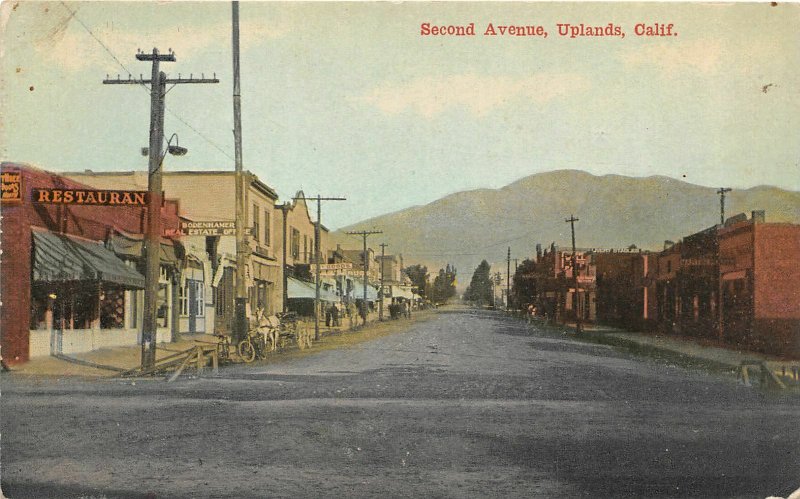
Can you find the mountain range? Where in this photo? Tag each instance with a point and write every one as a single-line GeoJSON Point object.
{"type": "Point", "coordinates": [613, 211]}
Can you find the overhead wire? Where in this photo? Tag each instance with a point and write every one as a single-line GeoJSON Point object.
{"type": "Point", "coordinates": [73, 14]}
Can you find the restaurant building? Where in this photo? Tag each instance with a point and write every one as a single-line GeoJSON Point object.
{"type": "Point", "coordinates": [72, 272]}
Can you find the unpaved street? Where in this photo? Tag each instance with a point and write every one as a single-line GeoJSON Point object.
{"type": "Point", "coordinates": [465, 404]}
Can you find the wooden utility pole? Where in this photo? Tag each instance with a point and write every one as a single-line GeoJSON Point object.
{"type": "Point", "coordinates": [720, 288]}
{"type": "Point", "coordinates": [721, 192]}
{"type": "Point", "coordinates": [364, 234]}
{"type": "Point", "coordinates": [317, 257]}
{"type": "Point", "coordinates": [383, 256]}
{"type": "Point", "coordinates": [578, 318]}
{"type": "Point", "coordinates": [240, 310]}
{"type": "Point", "coordinates": [508, 280]}
{"type": "Point", "coordinates": [285, 213]}
{"type": "Point", "coordinates": [158, 88]}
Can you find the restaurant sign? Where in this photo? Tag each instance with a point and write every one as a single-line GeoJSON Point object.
{"type": "Point", "coordinates": [90, 197]}
{"type": "Point", "coordinates": [12, 185]}
{"type": "Point", "coordinates": [204, 229]}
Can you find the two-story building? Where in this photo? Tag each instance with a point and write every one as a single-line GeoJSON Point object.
{"type": "Point", "coordinates": [298, 256]}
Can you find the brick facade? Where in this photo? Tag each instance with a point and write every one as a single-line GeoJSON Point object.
{"type": "Point", "coordinates": [90, 222]}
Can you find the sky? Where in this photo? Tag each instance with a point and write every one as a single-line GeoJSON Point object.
{"type": "Point", "coordinates": [349, 99]}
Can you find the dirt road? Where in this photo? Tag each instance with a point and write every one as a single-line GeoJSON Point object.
{"type": "Point", "coordinates": [466, 404]}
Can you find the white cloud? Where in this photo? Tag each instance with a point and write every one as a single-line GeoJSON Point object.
{"type": "Point", "coordinates": [480, 94]}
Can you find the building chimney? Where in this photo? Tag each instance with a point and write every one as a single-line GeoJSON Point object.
{"type": "Point", "coordinates": [758, 216]}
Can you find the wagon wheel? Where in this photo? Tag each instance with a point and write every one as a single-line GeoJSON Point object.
{"type": "Point", "coordinates": [246, 351]}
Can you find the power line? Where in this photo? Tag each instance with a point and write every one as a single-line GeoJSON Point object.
{"type": "Point", "coordinates": [73, 14]}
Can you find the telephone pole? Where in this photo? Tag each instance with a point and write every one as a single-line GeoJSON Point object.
{"type": "Point", "coordinates": [720, 288]}
{"type": "Point", "coordinates": [383, 255]}
{"type": "Point", "coordinates": [318, 257]}
{"type": "Point", "coordinates": [364, 234]}
{"type": "Point", "coordinates": [721, 192]}
{"type": "Point", "coordinates": [158, 88]}
{"type": "Point", "coordinates": [508, 279]}
{"type": "Point", "coordinates": [240, 309]}
{"type": "Point", "coordinates": [578, 329]}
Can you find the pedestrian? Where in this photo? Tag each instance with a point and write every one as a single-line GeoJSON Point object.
{"type": "Point", "coordinates": [351, 313]}
{"type": "Point", "coordinates": [531, 312]}
{"type": "Point", "coordinates": [335, 314]}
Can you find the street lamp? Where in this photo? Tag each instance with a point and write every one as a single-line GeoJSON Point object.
{"type": "Point", "coordinates": [174, 150]}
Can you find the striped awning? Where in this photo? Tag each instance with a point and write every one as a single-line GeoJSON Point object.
{"type": "Point", "coordinates": [62, 258]}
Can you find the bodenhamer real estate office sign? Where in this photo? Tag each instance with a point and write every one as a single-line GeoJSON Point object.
{"type": "Point", "coordinates": [204, 229]}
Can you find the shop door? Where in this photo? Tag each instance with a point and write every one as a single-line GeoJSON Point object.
{"type": "Point", "coordinates": [197, 323]}
{"type": "Point", "coordinates": [224, 302]}
{"type": "Point", "coordinates": [192, 306]}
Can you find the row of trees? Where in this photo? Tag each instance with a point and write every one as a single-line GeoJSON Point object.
{"type": "Point", "coordinates": [481, 288]}
{"type": "Point", "coordinates": [443, 287]}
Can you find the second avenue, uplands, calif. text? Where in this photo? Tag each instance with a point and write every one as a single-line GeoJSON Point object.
{"type": "Point", "coordinates": [563, 30]}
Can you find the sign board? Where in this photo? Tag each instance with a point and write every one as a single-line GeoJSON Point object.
{"type": "Point", "coordinates": [90, 197]}
{"type": "Point", "coordinates": [12, 185]}
{"type": "Point", "coordinates": [204, 229]}
{"type": "Point", "coordinates": [335, 266]}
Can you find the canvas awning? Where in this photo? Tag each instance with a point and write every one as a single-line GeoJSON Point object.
{"type": "Point", "coordinates": [62, 258]}
{"type": "Point", "coordinates": [399, 292]}
{"type": "Point", "coordinates": [358, 291]}
{"type": "Point", "coordinates": [130, 245]}
{"type": "Point", "coordinates": [301, 289]}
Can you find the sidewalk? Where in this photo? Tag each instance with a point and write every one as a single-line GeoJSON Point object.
{"type": "Point", "coordinates": [129, 357]}
{"type": "Point", "coordinates": [119, 357]}
{"type": "Point", "coordinates": [700, 349]}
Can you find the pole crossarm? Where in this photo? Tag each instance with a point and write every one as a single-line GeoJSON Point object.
{"type": "Point", "coordinates": [363, 232]}
{"type": "Point", "coordinates": [166, 81]}
{"type": "Point", "coordinates": [156, 56]}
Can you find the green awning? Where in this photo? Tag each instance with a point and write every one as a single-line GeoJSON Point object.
{"type": "Point", "coordinates": [130, 245]}
{"type": "Point", "coordinates": [62, 258]}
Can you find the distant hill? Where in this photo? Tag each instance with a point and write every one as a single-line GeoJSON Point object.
{"type": "Point", "coordinates": [614, 211]}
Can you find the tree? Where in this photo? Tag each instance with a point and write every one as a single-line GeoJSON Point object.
{"type": "Point", "coordinates": [523, 288]}
{"type": "Point", "coordinates": [444, 285]}
{"type": "Point", "coordinates": [419, 278]}
{"type": "Point", "coordinates": [480, 287]}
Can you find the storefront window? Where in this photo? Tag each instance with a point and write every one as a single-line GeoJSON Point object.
{"type": "Point", "coordinates": [112, 308]}
{"type": "Point", "coordinates": [183, 299]}
{"type": "Point", "coordinates": [200, 298]}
